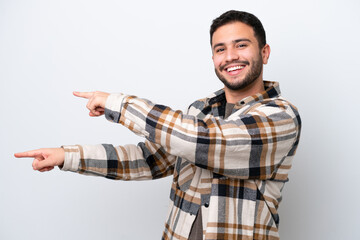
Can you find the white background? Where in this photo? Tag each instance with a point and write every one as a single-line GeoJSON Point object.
{"type": "Point", "coordinates": [160, 50]}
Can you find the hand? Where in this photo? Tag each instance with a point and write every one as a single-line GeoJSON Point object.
{"type": "Point", "coordinates": [96, 103]}
{"type": "Point", "coordinates": [45, 159]}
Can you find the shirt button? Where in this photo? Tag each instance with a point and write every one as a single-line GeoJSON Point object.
{"type": "Point", "coordinates": [206, 205]}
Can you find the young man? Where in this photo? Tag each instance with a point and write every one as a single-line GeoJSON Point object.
{"type": "Point", "coordinates": [229, 154]}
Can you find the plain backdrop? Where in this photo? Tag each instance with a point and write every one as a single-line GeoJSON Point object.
{"type": "Point", "coordinates": [160, 50]}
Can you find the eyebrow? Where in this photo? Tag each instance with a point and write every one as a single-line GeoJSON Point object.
{"type": "Point", "coordinates": [233, 41]}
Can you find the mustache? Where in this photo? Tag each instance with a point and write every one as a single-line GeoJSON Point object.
{"type": "Point", "coordinates": [237, 61]}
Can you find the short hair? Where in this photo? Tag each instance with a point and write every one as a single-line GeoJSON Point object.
{"type": "Point", "coordinates": [240, 16]}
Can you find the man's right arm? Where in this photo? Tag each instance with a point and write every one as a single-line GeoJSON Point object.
{"type": "Point", "coordinates": [147, 160]}
{"type": "Point", "coordinates": [130, 162]}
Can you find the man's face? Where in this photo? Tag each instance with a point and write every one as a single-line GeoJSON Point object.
{"type": "Point", "coordinates": [237, 58]}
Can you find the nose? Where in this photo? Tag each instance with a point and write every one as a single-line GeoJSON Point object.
{"type": "Point", "coordinates": [231, 55]}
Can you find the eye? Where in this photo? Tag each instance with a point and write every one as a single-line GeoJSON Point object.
{"type": "Point", "coordinates": [241, 45]}
{"type": "Point", "coordinates": [218, 50]}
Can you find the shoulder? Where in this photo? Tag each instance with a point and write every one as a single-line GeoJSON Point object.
{"type": "Point", "coordinates": [274, 111]}
{"type": "Point", "coordinates": [273, 104]}
{"type": "Point", "coordinates": [196, 107]}
{"type": "Point", "coordinates": [200, 104]}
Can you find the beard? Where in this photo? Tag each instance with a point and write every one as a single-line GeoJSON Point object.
{"type": "Point", "coordinates": [250, 77]}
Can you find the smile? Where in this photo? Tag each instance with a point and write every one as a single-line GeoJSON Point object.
{"type": "Point", "coordinates": [234, 68]}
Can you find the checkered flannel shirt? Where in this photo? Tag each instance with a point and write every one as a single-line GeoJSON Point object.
{"type": "Point", "coordinates": [233, 169]}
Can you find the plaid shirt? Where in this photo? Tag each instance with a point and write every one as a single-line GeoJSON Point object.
{"type": "Point", "coordinates": [233, 169]}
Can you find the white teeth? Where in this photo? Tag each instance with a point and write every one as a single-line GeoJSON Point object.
{"type": "Point", "coordinates": [235, 68]}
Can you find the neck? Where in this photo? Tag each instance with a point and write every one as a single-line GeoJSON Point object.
{"type": "Point", "coordinates": [234, 96]}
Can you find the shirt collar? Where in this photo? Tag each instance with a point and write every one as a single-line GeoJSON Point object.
{"type": "Point", "coordinates": [272, 89]}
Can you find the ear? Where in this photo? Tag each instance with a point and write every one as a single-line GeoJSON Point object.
{"type": "Point", "coordinates": [265, 53]}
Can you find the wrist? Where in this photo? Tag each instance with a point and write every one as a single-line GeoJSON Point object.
{"type": "Point", "coordinates": [61, 157]}
{"type": "Point", "coordinates": [71, 158]}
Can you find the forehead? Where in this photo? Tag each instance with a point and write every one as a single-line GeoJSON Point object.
{"type": "Point", "coordinates": [233, 31]}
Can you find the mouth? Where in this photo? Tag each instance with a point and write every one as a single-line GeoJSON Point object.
{"type": "Point", "coordinates": [234, 69]}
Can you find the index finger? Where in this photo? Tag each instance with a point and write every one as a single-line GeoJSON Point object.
{"type": "Point", "coordinates": [86, 95]}
{"type": "Point", "coordinates": [32, 153]}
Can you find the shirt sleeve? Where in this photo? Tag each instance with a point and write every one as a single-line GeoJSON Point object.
{"type": "Point", "coordinates": [258, 144]}
{"type": "Point", "coordinates": [144, 161]}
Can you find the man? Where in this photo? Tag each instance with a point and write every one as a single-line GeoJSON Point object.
{"type": "Point", "coordinates": [229, 155]}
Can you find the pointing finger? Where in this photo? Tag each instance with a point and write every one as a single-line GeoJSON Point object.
{"type": "Point", "coordinates": [32, 153]}
{"type": "Point", "coordinates": [86, 95]}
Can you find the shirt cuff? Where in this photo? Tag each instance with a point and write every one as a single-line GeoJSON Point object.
{"type": "Point", "coordinates": [72, 158]}
{"type": "Point", "coordinates": [113, 106]}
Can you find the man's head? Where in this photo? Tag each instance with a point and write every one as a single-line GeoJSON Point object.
{"type": "Point", "coordinates": [244, 17]}
{"type": "Point", "coordinates": [239, 49]}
